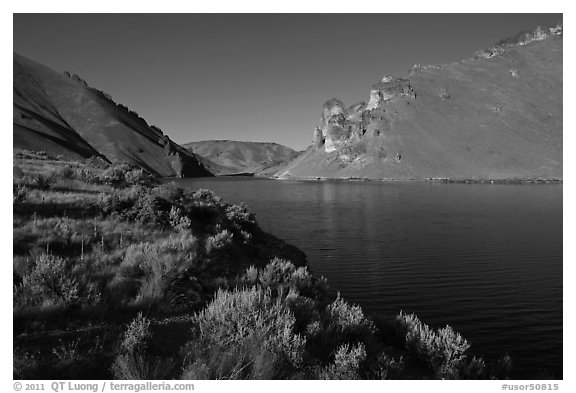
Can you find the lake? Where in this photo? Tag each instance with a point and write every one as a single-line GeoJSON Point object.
{"type": "Point", "coordinates": [483, 258]}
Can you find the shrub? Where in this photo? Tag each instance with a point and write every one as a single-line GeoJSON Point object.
{"type": "Point", "coordinates": [97, 162]}
{"type": "Point", "coordinates": [339, 323]}
{"type": "Point", "coordinates": [138, 176]}
{"type": "Point", "coordinates": [20, 193]}
{"type": "Point", "coordinates": [475, 368]}
{"type": "Point", "coordinates": [219, 241]}
{"type": "Point", "coordinates": [206, 197]}
{"type": "Point", "coordinates": [244, 334]}
{"type": "Point", "coordinates": [442, 351]}
{"type": "Point", "coordinates": [171, 192]}
{"type": "Point", "coordinates": [346, 320]}
{"type": "Point", "coordinates": [346, 364]}
{"type": "Point", "coordinates": [147, 271]}
{"type": "Point", "coordinates": [41, 182]}
{"type": "Point", "coordinates": [97, 171]}
{"type": "Point", "coordinates": [114, 175]}
{"type": "Point", "coordinates": [281, 274]}
{"type": "Point", "coordinates": [205, 206]}
{"type": "Point", "coordinates": [502, 367]}
{"type": "Point", "coordinates": [137, 334]}
{"type": "Point", "coordinates": [48, 285]}
{"type": "Point", "coordinates": [182, 244]}
{"type": "Point", "coordinates": [251, 276]}
{"type": "Point", "coordinates": [239, 214]}
{"type": "Point", "coordinates": [137, 203]}
{"type": "Point", "coordinates": [67, 353]}
{"type": "Point", "coordinates": [389, 367]}
{"type": "Point", "coordinates": [128, 366]}
{"type": "Point", "coordinates": [132, 362]}
{"type": "Point", "coordinates": [17, 172]}
{"type": "Point", "coordinates": [66, 172]}
{"type": "Point", "coordinates": [305, 311]}
{"type": "Point", "coordinates": [24, 364]}
{"type": "Point", "coordinates": [151, 209]}
{"type": "Point", "coordinates": [178, 220]}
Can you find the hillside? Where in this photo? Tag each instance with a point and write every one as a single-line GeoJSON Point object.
{"type": "Point", "coordinates": [62, 115]}
{"type": "Point", "coordinates": [496, 115]}
{"type": "Point", "coordinates": [229, 157]}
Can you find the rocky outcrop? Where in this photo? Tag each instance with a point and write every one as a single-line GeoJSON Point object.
{"type": "Point", "coordinates": [318, 139]}
{"type": "Point", "coordinates": [520, 39]}
{"type": "Point", "coordinates": [479, 118]}
{"type": "Point", "coordinates": [339, 126]}
{"type": "Point", "coordinates": [387, 89]}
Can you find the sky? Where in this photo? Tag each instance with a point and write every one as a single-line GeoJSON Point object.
{"type": "Point", "coordinates": [251, 77]}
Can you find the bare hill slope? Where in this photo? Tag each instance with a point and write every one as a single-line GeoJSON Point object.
{"type": "Point", "coordinates": [229, 157]}
{"type": "Point", "coordinates": [61, 114]}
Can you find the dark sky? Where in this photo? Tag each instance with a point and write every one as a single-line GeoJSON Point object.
{"type": "Point", "coordinates": [251, 77]}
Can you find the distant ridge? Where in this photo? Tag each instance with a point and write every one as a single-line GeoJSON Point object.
{"type": "Point", "coordinates": [226, 157]}
{"type": "Point", "coordinates": [496, 115]}
{"type": "Point", "coordinates": [62, 115]}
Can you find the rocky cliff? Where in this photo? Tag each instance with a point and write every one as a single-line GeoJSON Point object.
{"type": "Point", "coordinates": [62, 115]}
{"type": "Point", "coordinates": [495, 115]}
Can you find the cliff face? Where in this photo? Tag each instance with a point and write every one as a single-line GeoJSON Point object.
{"type": "Point", "coordinates": [496, 115]}
{"type": "Point", "coordinates": [61, 114]}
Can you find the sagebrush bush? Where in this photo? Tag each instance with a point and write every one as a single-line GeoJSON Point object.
{"type": "Point", "coordinates": [283, 275]}
{"type": "Point", "coordinates": [128, 366]}
{"type": "Point", "coordinates": [137, 334]}
{"type": "Point", "coordinates": [138, 203]}
{"type": "Point", "coordinates": [119, 175]}
{"type": "Point", "coordinates": [150, 268]}
{"type": "Point", "coordinates": [298, 287]}
{"type": "Point", "coordinates": [41, 182]}
{"type": "Point", "coordinates": [67, 352]}
{"type": "Point", "coordinates": [206, 197]}
{"type": "Point", "coordinates": [442, 351]}
{"type": "Point", "coordinates": [151, 209]}
{"type": "Point", "coordinates": [137, 176]}
{"type": "Point", "coordinates": [178, 220]}
{"type": "Point", "coordinates": [219, 241]}
{"type": "Point", "coordinates": [96, 162]}
{"type": "Point", "coordinates": [66, 172]}
{"type": "Point", "coordinates": [132, 362]}
{"type": "Point", "coordinates": [24, 364]}
{"type": "Point", "coordinates": [48, 285]}
{"type": "Point", "coordinates": [244, 334]}
{"type": "Point", "coordinates": [339, 323]}
{"type": "Point", "coordinates": [239, 214]}
{"type": "Point", "coordinates": [389, 367]}
{"type": "Point", "coordinates": [278, 273]}
{"type": "Point", "coordinates": [347, 320]}
{"type": "Point", "coordinates": [114, 175]}
{"type": "Point", "coordinates": [347, 361]}
{"type": "Point", "coordinates": [20, 193]}
{"type": "Point", "coordinates": [206, 206]}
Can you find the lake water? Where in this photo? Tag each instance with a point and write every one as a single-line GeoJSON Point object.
{"type": "Point", "coordinates": [485, 259]}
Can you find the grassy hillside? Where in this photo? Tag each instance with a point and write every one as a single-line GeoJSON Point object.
{"type": "Point", "coordinates": [61, 114]}
{"type": "Point", "coordinates": [116, 276]}
{"type": "Point", "coordinates": [229, 157]}
{"type": "Point", "coordinates": [497, 115]}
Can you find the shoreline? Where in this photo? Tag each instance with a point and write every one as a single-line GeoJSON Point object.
{"type": "Point", "coordinates": [391, 180]}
